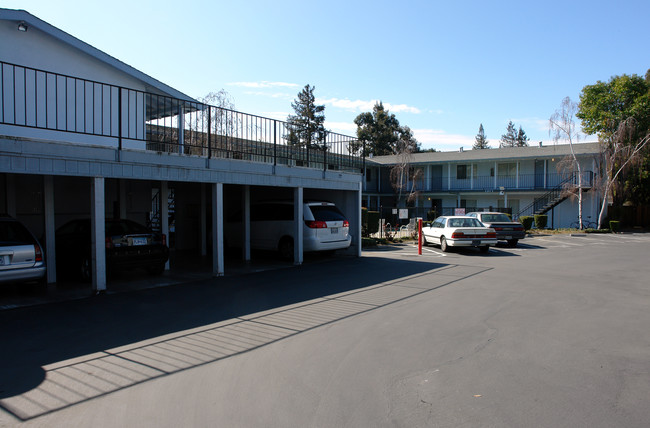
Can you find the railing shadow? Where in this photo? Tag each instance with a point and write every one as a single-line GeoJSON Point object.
{"type": "Point", "coordinates": [56, 356]}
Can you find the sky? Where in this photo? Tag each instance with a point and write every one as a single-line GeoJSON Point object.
{"type": "Point", "coordinates": [442, 67]}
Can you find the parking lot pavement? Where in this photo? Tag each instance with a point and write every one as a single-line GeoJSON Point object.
{"type": "Point", "coordinates": [545, 334]}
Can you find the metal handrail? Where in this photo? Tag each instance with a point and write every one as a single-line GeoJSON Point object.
{"type": "Point", "coordinates": [122, 117]}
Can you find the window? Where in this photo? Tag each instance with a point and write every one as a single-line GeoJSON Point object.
{"type": "Point", "coordinates": [461, 172]}
{"type": "Point", "coordinates": [368, 175]}
{"type": "Point", "coordinates": [507, 169]}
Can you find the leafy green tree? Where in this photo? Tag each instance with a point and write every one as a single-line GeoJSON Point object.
{"type": "Point", "coordinates": [509, 139]}
{"type": "Point", "coordinates": [378, 131]}
{"type": "Point", "coordinates": [306, 128]}
{"type": "Point", "coordinates": [522, 139]}
{"type": "Point", "coordinates": [480, 141]}
{"type": "Point", "coordinates": [618, 111]}
{"type": "Point", "coordinates": [605, 105]}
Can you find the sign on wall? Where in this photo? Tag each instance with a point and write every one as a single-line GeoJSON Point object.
{"type": "Point", "coordinates": [403, 213]}
{"type": "Point", "coordinates": [459, 211]}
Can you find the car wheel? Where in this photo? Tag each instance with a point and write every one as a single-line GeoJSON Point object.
{"type": "Point", "coordinates": [86, 269]}
{"type": "Point", "coordinates": [512, 243]}
{"type": "Point", "coordinates": [285, 248]}
{"type": "Point", "coordinates": [484, 249]}
{"type": "Point", "coordinates": [156, 269]}
{"type": "Point", "coordinates": [443, 245]}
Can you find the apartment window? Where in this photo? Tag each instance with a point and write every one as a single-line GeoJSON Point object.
{"type": "Point", "coordinates": [507, 169]}
{"type": "Point", "coordinates": [368, 175]}
{"type": "Point", "coordinates": [461, 172]}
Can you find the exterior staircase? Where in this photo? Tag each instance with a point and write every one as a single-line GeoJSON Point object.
{"type": "Point", "coordinates": [154, 222]}
{"type": "Point", "coordinates": [555, 196]}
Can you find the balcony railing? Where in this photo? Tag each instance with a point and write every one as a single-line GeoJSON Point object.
{"type": "Point", "coordinates": [126, 118]}
{"type": "Point", "coordinates": [487, 183]}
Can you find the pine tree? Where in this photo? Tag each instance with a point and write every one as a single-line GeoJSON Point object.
{"type": "Point", "coordinates": [481, 141]}
{"type": "Point", "coordinates": [306, 128]}
{"type": "Point", "coordinates": [509, 139]}
{"type": "Point", "coordinates": [522, 139]}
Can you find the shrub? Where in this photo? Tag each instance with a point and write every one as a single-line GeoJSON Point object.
{"type": "Point", "coordinates": [527, 221]}
{"type": "Point", "coordinates": [615, 226]}
{"type": "Point", "coordinates": [540, 221]}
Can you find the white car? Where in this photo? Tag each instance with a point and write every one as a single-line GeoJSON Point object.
{"type": "Point", "coordinates": [459, 231]}
{"type": "Point", "coordinates": [325, 227]}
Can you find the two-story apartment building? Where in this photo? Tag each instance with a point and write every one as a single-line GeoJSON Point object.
{"type": "Point", "coordinates": [84, 135]}
{"type": "Point", "coordinates": [518, 180]}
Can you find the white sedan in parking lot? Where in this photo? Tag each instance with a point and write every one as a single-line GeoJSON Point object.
{"type": "Point", "coordinates": [459, 231]}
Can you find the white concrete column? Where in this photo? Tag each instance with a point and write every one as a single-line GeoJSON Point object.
{"type": "Point", "coordinates": [246, 223]}
{"type": "Point", "coordinates": [517, 179]}
{"type": "Point", "coordinates": [217, 229]}
{"type": "Point", "coordinates": [204, 223]}
{"type": "Point", "coordinates": [164, 213]}
{"type": "Point", "coordinates": [98, 233]}
{"type": "Point", "coordinates": [11, 195]}
{"type": "Point", "coordinates": [496, 173]}
{"type": "Point", "coordinates": [50, 250]}
{"type": "Point", "coordinates": [297, 226]}
{"type": "Point", "coordinates": [471, 176]}
{"type": "Point", "coordinates": [448, 176]}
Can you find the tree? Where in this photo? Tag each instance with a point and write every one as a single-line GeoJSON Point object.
{"type": "Point", "coordinates": [618, 111]}
{"type": "Point", "coordinates": [562, 127]}
{"type": "Point", "coordinates": [509, 139]}
{"type": "Point", "coordinates": [306, 128]}
{"type": "Point", "coordinates": [377, 132]}
{"type": "Point", "coordinates": [221, 120]}
{"type": "Point", "coordinates": [403, 176]}
{"type": "Point", "coordinates": [522, 139]}
{"type": "Point", "coordinates": [480, 141]}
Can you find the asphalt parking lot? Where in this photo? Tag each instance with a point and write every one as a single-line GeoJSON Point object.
{"type": "Point", "coordinates": [551, 333]}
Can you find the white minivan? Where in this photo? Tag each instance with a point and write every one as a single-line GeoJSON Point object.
{"type": "Point", "coordinates": [325, 227]}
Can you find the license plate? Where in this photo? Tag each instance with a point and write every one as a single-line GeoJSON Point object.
{"type": "Point", "coordinates": [334, 230]}
{"type": "Point", "coordinates": [139, 241]}
{"type": "Point", "coordinates": [508, 237]}
{"type": "Point", "coordinates": [476, 242]}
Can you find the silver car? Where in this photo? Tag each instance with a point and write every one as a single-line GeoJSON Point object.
{"type": "Point", "coordinates": [21, 256]}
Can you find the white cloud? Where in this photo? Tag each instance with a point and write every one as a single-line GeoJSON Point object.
{"type": "Point", "coordinates": [440, 140]}
{"type": "Point", "coordinates": [268, 94]}
{"type": "Point", "coordinates": [264, 84]}
{"type": "Point", "coordinates": [346, 128]}
{"type": "Point", "coordinates": [361, 105]}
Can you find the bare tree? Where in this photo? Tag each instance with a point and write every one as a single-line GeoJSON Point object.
{"type": "Point", "coordinates": [403, 176]}
{"type": "Point", "coordinates": [562, 127]}
{"type": "Point", "coordinates": [621, 151]}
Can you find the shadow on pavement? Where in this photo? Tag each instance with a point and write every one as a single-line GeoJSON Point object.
{"type": "Point", "coordinates": [57, 355]}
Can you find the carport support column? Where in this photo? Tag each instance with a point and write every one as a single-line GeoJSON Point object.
{"type": "Point", "coordinates": [297, 226]}
{"type": "Point", "coordinates": [217, 229]}
{"type": "Point", "coordinates": [97, 233]}
{"type": "Point", "coordinates": [50, 250]}
{"type": "Point", "coordinates": [357, 228]}
{"type": "Point", "coordinates": [164, 213]}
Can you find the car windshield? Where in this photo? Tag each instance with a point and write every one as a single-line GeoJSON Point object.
{"type": "Point", "coordinates": [124, 227]}
{"type": "Point", "coordinates": [494, 218]}
{"type": "Point", "coordinates": [464, 222]}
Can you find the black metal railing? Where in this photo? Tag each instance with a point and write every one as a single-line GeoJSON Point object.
{"type": "Point", "coordinates": [132, 119]}
{"type": "Point", "coordinates": [484, 183]}
{"type": "Point", "coordinates": [557, 194]}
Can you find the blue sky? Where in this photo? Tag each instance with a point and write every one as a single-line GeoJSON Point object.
{"type": "Point", "coordinates": [442, 67]}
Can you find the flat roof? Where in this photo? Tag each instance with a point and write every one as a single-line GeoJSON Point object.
{"type": "Point", "coordinates": [505, 153]}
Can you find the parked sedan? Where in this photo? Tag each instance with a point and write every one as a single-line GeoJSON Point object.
{"type": "Point", "coordinates": [128, 245]}
{"type": "Point", "coordinates": [21, 256]}
{"type": "Point", "coordinates": [459, 231]}
{"type": "Point", "coordinates": [506, 229]}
